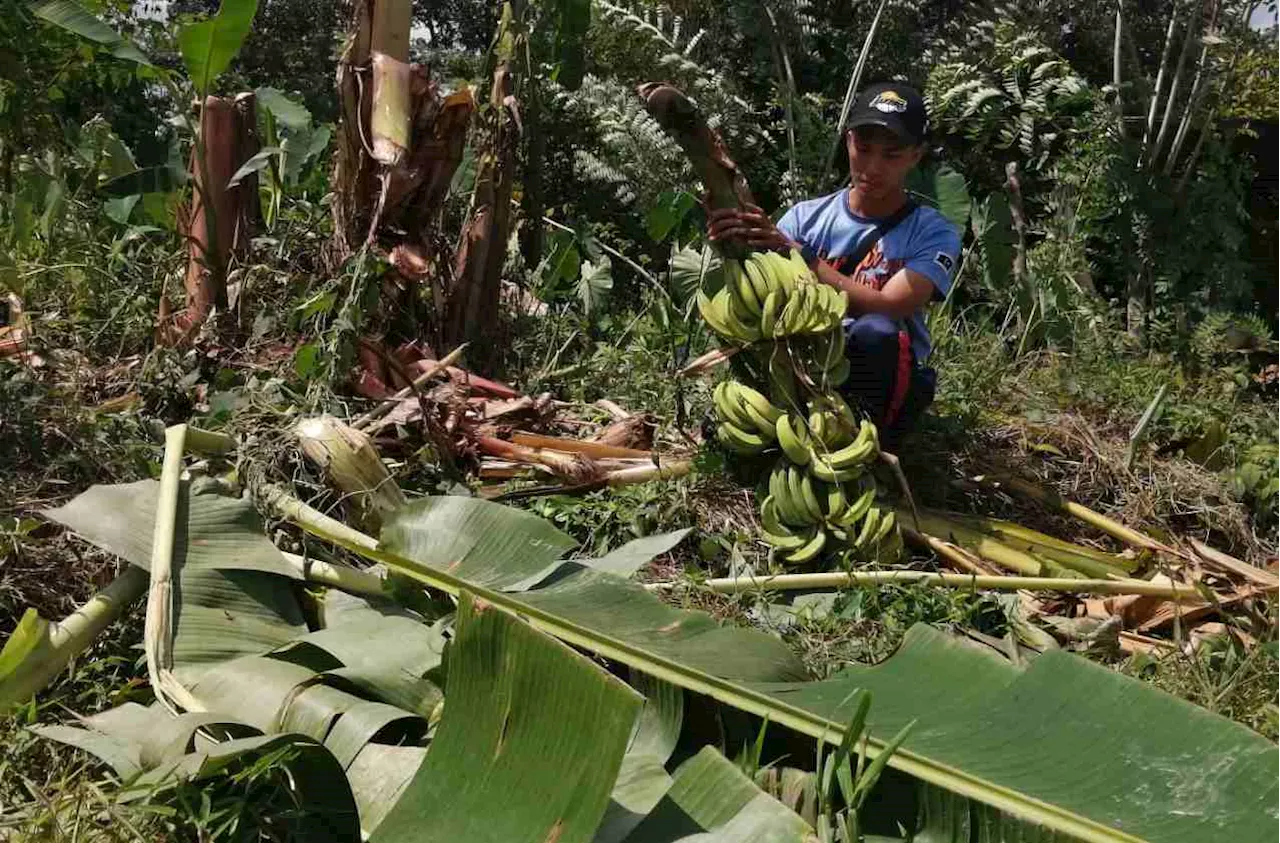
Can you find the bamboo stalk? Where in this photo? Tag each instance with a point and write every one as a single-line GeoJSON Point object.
{"type": "Point", "coordinates": [31, 673]}
{"type": "Point", "coordinates": [427, 374]}
{"type": "Point", "coordinates": [845, 579]}
{"type": "Point", "coordinates": [1193, 99]}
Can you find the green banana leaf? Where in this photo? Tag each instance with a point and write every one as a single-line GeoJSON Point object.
{"type": "Point", "coordinates": [642, 779]}
{"type": "Point", "coordinates": [209, 46]}
{"type": "Point", "coordinates": [711, 800]}
{"type": "Point", "coordinates": [323, 803]}
{"type": "Point", "coordinates": [417, 537]}
{"type": "Point", "coordinates": [530, 745]}
{"type": "Point", "coordinates": [73, 17]}
{"type": "Point", "coordinates": [1064, 743]}
{"type": "Point", "coordinates": [1035, 770]}
{"type": "Point", "coordinates": [234, 594]}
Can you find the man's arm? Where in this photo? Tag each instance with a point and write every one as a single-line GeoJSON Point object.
{"type": "Point", "coordinates": [905, 293]}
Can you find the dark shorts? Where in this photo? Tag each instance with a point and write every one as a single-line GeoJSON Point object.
{"type": "Point", "coordinates": [884, 378]}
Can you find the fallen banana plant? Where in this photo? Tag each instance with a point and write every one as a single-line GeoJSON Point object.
{"type": "Point", "coordinates": [1017, 548]}
{"type": "Point", "coordinates": [238, 607]}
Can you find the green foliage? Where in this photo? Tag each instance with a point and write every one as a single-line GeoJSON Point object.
{"type": "Point", "coordinates": [1016, 99]}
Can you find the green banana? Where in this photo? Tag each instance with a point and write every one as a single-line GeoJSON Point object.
{"type": "Point", "coordinates": [887, 524]}
{"type": "Point", "coordinates": [756, 400]}
{"type": "Point", "coordinates": [788, 510]}
{"type": "Point", "coordinates": [737, 439]}
{"type": "Point", "coordinates": [870, 523]}
{"type": "Point", "coordinates": [789, 274]}
{"type": "Point", "coordinates": [711, 314]}
{"type": "Point", "coordinates": [728, 408]}
{"type": "Point", "coordinates": [773, 303]}
{"type": "Point", "coordinates": [823, 470]}
{"type": "Point", "coordinates": [862, 450]}
{"type": "Point", "coordinates": [809, 496]}
{"type": "Point", "coordinates": [835, 501]}
{"type": "Point", "coordinates": [755, 418]}
{"type": "Point", "coordinates": [855, 511]}
{"type": "Point", "coordinates": [756, 269]}
{"type": "Point", "coordinates": [794, 440]}
{"type": "Point", "coordinates": [738, 330]}
{"type": "Point", "coordinates": [796, 492]}
{"type": "Point", "coordinates": [809, 550]}
{"type": "Point", "coordinates": [736, 274]}
{"type": "Point", "coordinates": [773, 531]}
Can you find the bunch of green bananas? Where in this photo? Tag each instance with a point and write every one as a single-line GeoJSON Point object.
{"type": "Point", "coordinates": [768, 296]}
{"type": "Point", "coordinates": [820, 496]}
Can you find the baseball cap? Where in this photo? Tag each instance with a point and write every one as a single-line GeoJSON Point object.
{"type": "Point", "coordinates": [897, 107]}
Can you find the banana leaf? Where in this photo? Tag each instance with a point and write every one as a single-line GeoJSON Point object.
{"type": "Point", "coordinates": [1064, 743]}
{"type": "Point", "coordinates": [323, 807]}
{"type": "Point", "coordinates": [1017, 741]}
{"type": "Point", "coordinates": [235, 595]}
{"type": "Point", "coordinates": [712, 799]}
{"type": "Point", "coordinates": [530, 745]}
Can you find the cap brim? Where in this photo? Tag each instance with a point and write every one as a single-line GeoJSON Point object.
{"type": "Point", "coordinates": [889, 123]}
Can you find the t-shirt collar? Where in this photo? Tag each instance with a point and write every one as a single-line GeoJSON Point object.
{"type": "Point", "coordinates": [859, 218]}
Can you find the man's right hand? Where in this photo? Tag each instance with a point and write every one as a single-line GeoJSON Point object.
{"type": "Point", "coordinates": [749, 226]}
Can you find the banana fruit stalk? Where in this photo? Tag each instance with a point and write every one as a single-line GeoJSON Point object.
{"type": "Point", "coordinates": [768, 296]}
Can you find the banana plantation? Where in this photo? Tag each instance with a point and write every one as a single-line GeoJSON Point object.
{"type": "Point", "coordinates": [588, 421]}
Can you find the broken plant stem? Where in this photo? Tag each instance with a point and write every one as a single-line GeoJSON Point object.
{"type": "Point", "coordinates": [427, 374]}
{"type": "Point", "coordinates": [895, 466]}
{"type": "Point", "coordinates": [956, 555]}
{"type": "Point", "coordinates": [158, 631]}
{"type": "Point", "coordinates": [344, 577]}
{"type": "Point", "coordinates": [314, 520]}
{"type": "Point", "coordinates": [25, 676]}
{"type": "Point", "coordinates": [856, 579]}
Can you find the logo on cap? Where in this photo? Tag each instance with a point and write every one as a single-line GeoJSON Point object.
{"type": "Point", "coordinates": [889, 102]}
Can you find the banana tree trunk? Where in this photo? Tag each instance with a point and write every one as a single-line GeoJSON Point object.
{"type": "Point", "coordinates": [400, 142]}
{"type": "Point", "coordinates": [219, 222]}
{"type": "Point", "coordinates": [472, 303]}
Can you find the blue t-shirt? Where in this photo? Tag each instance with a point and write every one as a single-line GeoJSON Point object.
{"type": "Point", "coordinates": [925, 242]}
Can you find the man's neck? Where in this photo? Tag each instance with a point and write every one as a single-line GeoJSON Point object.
{"type": "Point", "coordinates": [875, 208]}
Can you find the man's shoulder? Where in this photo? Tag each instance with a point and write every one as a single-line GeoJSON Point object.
{"type": "Point", "coordinates": [809, 208]}
{"type": "Point", "coordinates": [932, 224]}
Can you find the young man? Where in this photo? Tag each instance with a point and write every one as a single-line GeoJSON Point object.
{"type": "Point", "coordinates": [891, 255]}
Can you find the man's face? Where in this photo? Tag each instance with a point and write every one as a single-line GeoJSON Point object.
{"type": "Point", "coordinates": [879, 160]}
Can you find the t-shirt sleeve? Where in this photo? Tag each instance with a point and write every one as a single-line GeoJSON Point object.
{"type": "Point", "coordinates": [936, 254]}
{"type": "Point", "coordinates": [790, 223]}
